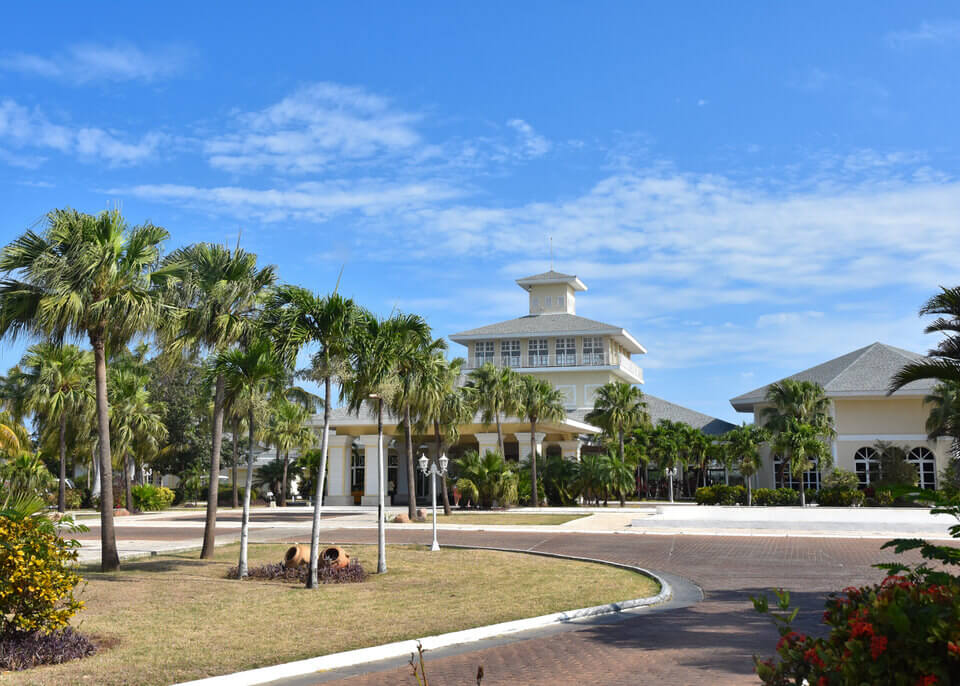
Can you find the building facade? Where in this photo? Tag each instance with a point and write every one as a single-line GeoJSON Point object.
{"type": "Point", "coordinates": [856, 385]}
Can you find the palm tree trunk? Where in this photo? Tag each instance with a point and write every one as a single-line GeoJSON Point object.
{"type": "Point", "coordinates": [411, 469]}
{"type": "Point", "coordinates": [670, 481]}
{"type": "Point", "coordinates": [245, 518]}
{"type": "Point", "coordinates": [109, 558]}
{"type": "Point", "coordinates": [381, 534]}
{"type": "Point", "coordinates": [127, 489]}
{"type": "Point", "coordinates": [533, 462]}
{"type": "Point", "coordinates": [236, 459]}
{"type": "Point", "coordinates": [213, 488]}
{"type": "Point", "coordinates": [503, 452]}
{"type": "Point", "coordinates": [749, 491]}
{"type": "Point", "coordinates": [623, 459]}
{"type": "Point", "coordinates": [283, 484]}
{"type": "Point", "coordinates": [318, 495]}
{"type": "Point", "coordinates": [443, 477]}
{"type": "Point", "coordinates": [62, 494]}
{"type": "Point", "coordinates": [803, 492]}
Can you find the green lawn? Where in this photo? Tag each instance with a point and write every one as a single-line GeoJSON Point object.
{"type": "Point", "coordinates": [168, 619]}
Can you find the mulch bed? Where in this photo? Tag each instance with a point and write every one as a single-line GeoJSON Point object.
{"type": "Point", "coordinates": [351, 574]}
{"type": "Point", "coordinates": [22, 651]}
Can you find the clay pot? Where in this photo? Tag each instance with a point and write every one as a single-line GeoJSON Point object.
{"type": "Point", "coordinates": [296, 556]}
{"type": "Point", "coordinates": [334, 557]}
{"type": "Point", "coordinates": [402, 518]}
{"type": "Point", "coordinates": [421, 515]}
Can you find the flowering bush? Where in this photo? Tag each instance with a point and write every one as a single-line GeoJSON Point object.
{"type": "Point", "coordinates": [904, 631]}
{"type": "Point", "coordinates": [36, 576]}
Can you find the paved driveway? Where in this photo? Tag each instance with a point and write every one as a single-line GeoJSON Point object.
{"type": "Point", "coordinates": [710, 642]}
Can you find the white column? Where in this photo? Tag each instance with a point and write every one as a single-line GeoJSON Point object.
{"type": "Point", "coordinates": [571, 449]}
{"type": "Point", "coordinates": [523, 438]}
{"type": "Point", "coordinates": [369, 447]}
{"type": "Point", "coordinates": [488, 443]}
{"type": "Point", "coordinates": [338, 471]}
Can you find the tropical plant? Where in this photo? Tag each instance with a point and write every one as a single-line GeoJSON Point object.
{"type": "Point", "coordinates": [895, 470]}
{"type": "Point", "coordinates": [560, 477]}
{"type": "Point", "coordinates": [59, 379]}
{"type": "Point", "coordinates": [665, 448]}
{"type": "Point", "coordinates": [486, 479]}
{"type": "Point", "coordinates": [295, 318]}
{"type": "Point", "coordinates": [537, 400]}
{"type": "Point", "coordinates": [86, 276]}
{"type": "Point", "coordinates": [618, 408]}
{"type": "Point", "coordinates": [288, 431]}
{"type": "Point", "coordinates": [841, 478]}
{"type": "Point", "coordinates": [250, 372]}
{"type": "Point", "coordinates": [150, 498]}
{"type": "Point", "coordinates": [943, 362]}
{"type": "Point", "coordinates": [593, 477]}
{"type": "Point", "coordinates": [744, 447]}
{"type": "Point", "coordinates": [494, 392]}
{"type": "Point", "coordinates": [802, 449]}
{"type": "Point", "coordinates": [217, 300]}
{"type": "Point", "coordinates": [944, 418]}
{"type": "Point", "coordinates": [798, 414]}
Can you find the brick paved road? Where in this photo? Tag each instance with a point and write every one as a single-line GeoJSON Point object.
{"type": "Point", "coordinates": [708, 643]}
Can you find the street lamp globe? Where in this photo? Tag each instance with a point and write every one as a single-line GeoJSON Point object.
{"type": "Point", "coordinates": [423, 462]}
{"type": "Point", "coordinates": [444, 461]}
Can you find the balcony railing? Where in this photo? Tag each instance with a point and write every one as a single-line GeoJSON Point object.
{"type": "Point", "coordinates": [527, 361]}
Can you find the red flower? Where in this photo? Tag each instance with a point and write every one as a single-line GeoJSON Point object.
{"type": "Point", "coordinates": [862, 629]}
{"type": "Point", "coordinates": [822, 681]}
{"type": "Point", "coordinates": [928, 680]}
{"type": "Point", "coordinates": [813, 657]}
{"type": "Point", "coordinates": [878, 644]}
{"type": "Point", "coordinates": [953, 648]}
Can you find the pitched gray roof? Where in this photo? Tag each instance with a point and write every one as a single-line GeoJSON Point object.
{"type": "Point", "coordinates": [659, 409]}
{"type": "Point", "coordinates": [557, 323]}
{"type": "Point", "coordinates": [865, 371]}
{"type": "Point", "coordinates": [547, 276]}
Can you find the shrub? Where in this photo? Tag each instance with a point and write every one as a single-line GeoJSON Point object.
{"type": "Point", "coordinates": [838, 496]}
{"type": "Point", "coordinates": [73, 498]}
{"type": "Point", "coordinates": [841, 478]}
{"type": "Point", "coordinates": [151, 498]}
{"type": "Point", "coordinates": [23, 651]}
{"type": "Point", "coordinates": [779, 496]}
{"type": "Point", "coordinates": [350, 574]}
{"type": "Point", "coordinates": [36, 579]}
{"type": "Point", "coordinates": [721, 494]}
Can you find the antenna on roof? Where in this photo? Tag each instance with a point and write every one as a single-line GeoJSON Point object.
{"type": "Point", "coordinates": [551, 253]}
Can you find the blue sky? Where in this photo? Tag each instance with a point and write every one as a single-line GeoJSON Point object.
{"type": "Point", "coordinates": [749, 188]}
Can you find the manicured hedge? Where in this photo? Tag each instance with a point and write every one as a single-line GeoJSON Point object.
{"type": "Point", "coordinates": [776, 496]}
{"type": "Point", "coordinates": [721, 494]}
{"type": "Point", "coordinates": [840, 497]}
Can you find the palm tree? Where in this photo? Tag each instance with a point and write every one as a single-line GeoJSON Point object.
{"type": "Point", "coordinates": [797, 402]}
{"type": "Point", "coordinates": [944, 419]}
{"type": "Point", "coordinates": [291, 433]}
{"type": "Point", "coordinates": [251, 372]}
{"type": "Point", "coordinates": [295, 317]}
{"type": "Point", "coordinates": [442, 406]}
{"type": "Point", "coordinates": [494, 392]}
{"type": "Point", "coordinates": [486, 478]}
{"type": "Point", "coordinates": [415, 353]}
{"type": "Point", "coordinates": [697, 447]}
{"type": "Point", "coordinates": [802, 447]}
{"type": "Point", "coordinates": [375, 348]}
{"type": "Point", "coordinates": [136, 421]}
{"type": "Point", "coordinates": [943, 362]}
{"type": "Point", "coordinates": [744, 447]}
{"type": "Point", "coordinates": [218, 298]}
{"type": "Point", "coordinates": [618, 408]}
{"type": "Point", "coordinates": [665, 448]}
{"type": "Point", "coordinates": [59, 379]}
{"type": "Point", "coordinates": [86, 276]}
{"type": "Point", "coordinates": [538, 400]}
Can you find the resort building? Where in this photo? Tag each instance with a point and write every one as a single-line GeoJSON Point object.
{"type": "Point", "coordinates": [863, 413]}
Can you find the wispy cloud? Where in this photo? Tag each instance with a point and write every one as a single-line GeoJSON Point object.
{"type": "Point", "coordinates": [532, 144]}
{"type": "Point", "coordinates": [313, 127]}
{"type": "Point", "coordinates": [944, 31]}
{"type": "Point", "coordinates": [87, 62]}
{"type": "Point", "coordinates": [22, 128]}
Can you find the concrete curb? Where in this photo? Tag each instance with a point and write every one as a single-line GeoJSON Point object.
{"type": "Point", "coordinates": [396, 649]}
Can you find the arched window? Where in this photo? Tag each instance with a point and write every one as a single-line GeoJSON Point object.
{"type": "Point", "coordinates": [926, 464]}
{"type": "Point", "coordinates": [867, 464]}
{"type": "Point", "coordinates": [811, 477]}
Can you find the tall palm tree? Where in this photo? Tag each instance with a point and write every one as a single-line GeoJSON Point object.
{"type": "Point", "coordinates": [60, 383]}
{"type": "Point", "coordinates": [743, 445]}
{"type": "Point", "coordinates": [494, 392]}
{"type": "Point", "coordinates": [87, 276]}
{"type": "Point", "coordinates": [250, 371]}
{"type": "Point", "coordinates": [441, 405]}
{"type": "Point", "coordinates": [415, 353]}
{"type": "Point", "coordinates": [665, 446]}
{"type": "Point", "coordinates": [291, 433]}
{"type": "Point", "coordinates": [295, 318]}
{"type": "Point", "coordinates": [943, 362]}
{"type": "Point", "coordinates": [618, 408]}
{"type": "Point", "coordinates": [218, 298]}
{"type": "Point", "coordinates": [538, 400]}
{"type": "Point", "coordinates": [136, 421]}
{"type": "Point", "coordinates": [944, 419]}
{"type": "Point", "coordinates": [797, 402]}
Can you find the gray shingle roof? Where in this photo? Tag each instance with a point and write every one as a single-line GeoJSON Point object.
{"type": "Point", "coordinates": [557, 323]}
{"type": "Point", "coordinates": [548, 276]}
{"type": "Point", "coordinates": [866, 371]}
{"type": "Point", "coordinates": [659, 409]}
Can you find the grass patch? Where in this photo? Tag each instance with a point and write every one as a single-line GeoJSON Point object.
{"type": "Point", "coordinates": [504, 519]}
{"type": "Point", "coordinates": [174, 618]}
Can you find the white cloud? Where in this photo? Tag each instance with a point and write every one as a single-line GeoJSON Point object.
{"type": "Point", "coordinates": [23, 128]}
{"type": "Point", "coordinates": [308, 201]}
{"type": "Point", "coordinates": [928, 32]}
{"type": "Point", "coordinates": [312, 128]}
{"type": "Point", "coordinates": [532, 144]}
{"type": "Point", "coordinates": [87, 62]}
